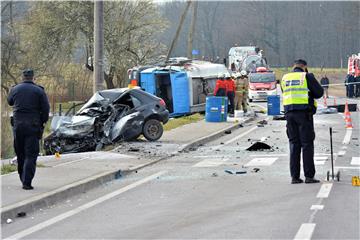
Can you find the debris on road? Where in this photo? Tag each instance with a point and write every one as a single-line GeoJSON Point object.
{"type": "Point", "coordinates": [214, 175]}
{"type": "Point", "coordinates": [132, 149]}
{"type": "Point", "coordinates": [228, 132]}
{"type": "Point", "coordinates": [279, 118]}
{"type": "Point", "coordinates": [9, 220]}
{"type": "Point", "coordinates": [256, 170]}
{"type": "Point", "coordinates": [328, 110]}
{"type": "Point", "coordinates": [21, 214]}
{"type": "Point", "coordinates": [235, 172]}
{"type": "Point", "coordinates": [259, 146]}
{"type": "Point", "coordinates": [263, 122]}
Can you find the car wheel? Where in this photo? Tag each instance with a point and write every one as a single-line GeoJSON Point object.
{"type": "Point", "coordinates": [152, 130]}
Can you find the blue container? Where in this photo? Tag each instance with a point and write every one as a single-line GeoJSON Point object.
{"type": "Point", "coordinates": [273, 105]}
{"type": "Point", "coordinates": [216, 109]}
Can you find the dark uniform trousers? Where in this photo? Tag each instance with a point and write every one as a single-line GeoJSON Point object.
{"type": "Point", "coordinates": [231, 97]}
{"type": "Point", "coordinates": [26, 144]}
{"type": "Point", "coordinates": [301, 134]}
{"type": "Point", "coordinates": [221, 92]}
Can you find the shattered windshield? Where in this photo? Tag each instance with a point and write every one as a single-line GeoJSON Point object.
{"type": "Point", "coordinates": [95, 101]}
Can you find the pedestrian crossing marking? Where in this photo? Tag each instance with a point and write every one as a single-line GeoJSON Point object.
{"type": "Point", "coordinates": [320, 160]}
{"type": "Point", "coordinates": [355, 161]}
{"type": "Point", "coordinates": [261, 162]}
{"type": "Point", "coordinates": [214, 162]}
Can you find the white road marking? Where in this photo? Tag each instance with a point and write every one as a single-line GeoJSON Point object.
{"type": "Point", "coordinates": [305, 231]}
{"type": "Point", "coordinates": [261, 162]}
{"type": "Point", "coordinates": [320, 160]}
{"type": "Point", "coordinates": [214, 162]}
{"type": "Point", "coordinates": [81, 208]}
{"type": "Point", "coordinates": [341, 153]}
{"type": "Point", "coordinates": [324, 190]}
{"type": "Point", "coordinates": [317, 207]}
{"type": "Point", "coordinates": [347, 137]}
{"type": "Point", "coordinates": [269, 155]}
{"type": "Point", "coordinates": [263, 139]}
{"type": "Point", "coordinates": [324, 154]}
{"type": "Point", "coordinates": [70, 162]}
{"type": "Point", "coordinates": [344, 167]}
{"type": "Point", "coordinates": [355, 161]}
{"type": "Point", "coordinates": [208, 156]}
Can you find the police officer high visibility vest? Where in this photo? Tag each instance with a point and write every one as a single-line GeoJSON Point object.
{"type": "Point", "coordinates": [295, 89]}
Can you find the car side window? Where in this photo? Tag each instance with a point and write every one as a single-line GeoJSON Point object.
{"type": "Point", "coordinates": [136, 101]}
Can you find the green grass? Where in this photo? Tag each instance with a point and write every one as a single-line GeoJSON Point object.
{"type": "Point", "coordinates": [9, 168]}
{"type": "Point", "coordinates": [178, 122]}
{"type": "Point", "coordinates": [280, 72]}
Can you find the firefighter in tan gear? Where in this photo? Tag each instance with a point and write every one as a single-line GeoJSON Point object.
{"type": "Point", "coordinates": [242, 88]}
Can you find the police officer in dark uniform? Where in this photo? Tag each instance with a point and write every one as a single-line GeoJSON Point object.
{"type": "Point", "coordinates": [299, 90]}
{"type": "Point", "coordinates": [31, 112]}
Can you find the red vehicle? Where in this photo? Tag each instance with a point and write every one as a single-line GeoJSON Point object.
{"type": "Point", "coordinates": [262, 84]}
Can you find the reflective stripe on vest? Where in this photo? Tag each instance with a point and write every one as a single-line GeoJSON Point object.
{"type": "Point", "coordinates": [295, 89]}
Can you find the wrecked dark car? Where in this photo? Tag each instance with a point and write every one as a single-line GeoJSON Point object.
{"type": "Point", "coordinates": [109, 116]}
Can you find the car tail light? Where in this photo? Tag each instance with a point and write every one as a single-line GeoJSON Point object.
{"type": "Point", "coordinates": [162, 103]}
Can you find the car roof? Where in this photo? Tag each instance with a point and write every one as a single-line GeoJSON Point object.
{"type": "Point", "coordinates": [113, 94]}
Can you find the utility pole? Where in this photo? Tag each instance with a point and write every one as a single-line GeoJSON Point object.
{"type": "Point", "coordinates": [98, 45]}
{"type": "Point", "coordinates": [192, 30]}
{"type": "Point", "coordinates": [182, 18]}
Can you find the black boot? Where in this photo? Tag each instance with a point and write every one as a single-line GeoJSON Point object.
{"type": "Point", "coordinates": [311, 180]}
{"type": "Point", "coordinates": [296, 180]}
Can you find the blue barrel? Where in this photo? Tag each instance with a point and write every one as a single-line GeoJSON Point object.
{"type": "Point", "coordinates": [216, 109]}
{"type": "Point", "coordinates": [273, 105]}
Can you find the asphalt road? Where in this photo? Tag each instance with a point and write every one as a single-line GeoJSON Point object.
{"type": "Point", "coordinates": [191, 196]}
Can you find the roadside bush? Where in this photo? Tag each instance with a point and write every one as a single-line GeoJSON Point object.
{"type": "Point", "coordinates": [7, 150]}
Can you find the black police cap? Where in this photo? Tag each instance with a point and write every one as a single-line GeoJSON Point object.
{"type": "Point", "coordinates": [28, 73]}
{"type": "Point", "coordinates": [300, 61]}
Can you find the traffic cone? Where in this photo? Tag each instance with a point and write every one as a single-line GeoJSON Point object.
{"type": "Point", "coordinates": [325, 102]}
{"type": "Point", "coordinates": [348, 121]}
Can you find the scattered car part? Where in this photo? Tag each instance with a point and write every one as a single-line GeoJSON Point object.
{"type": "Point", "coordinates": [280, 118]}
{"type": "Point", "coordinates": [259, 146]}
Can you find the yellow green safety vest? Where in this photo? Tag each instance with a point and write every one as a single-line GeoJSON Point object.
{"type": "Point", "coordinates": [295, 89]}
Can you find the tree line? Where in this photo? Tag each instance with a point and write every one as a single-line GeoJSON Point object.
{"type": "Point", "coordinates": [56, 38]}
{"type": "Point", "coordinates": [324, 33]}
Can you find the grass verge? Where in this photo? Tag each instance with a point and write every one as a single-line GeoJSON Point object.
{"type": "Point", "coordinates": [9, 168]}
{"type": "Point", "coordinates": [178, 122]}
